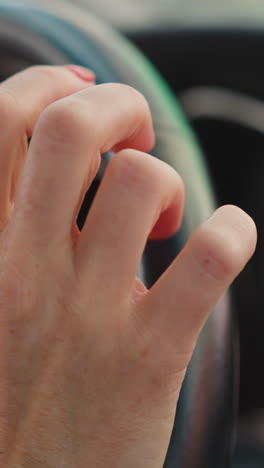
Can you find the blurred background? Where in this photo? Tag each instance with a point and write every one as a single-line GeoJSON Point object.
{"type": "Point", "coordinates": [144, 14]}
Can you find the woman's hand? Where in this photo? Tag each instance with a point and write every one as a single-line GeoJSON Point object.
{"type": "Point", "coordinates": [92, 362]}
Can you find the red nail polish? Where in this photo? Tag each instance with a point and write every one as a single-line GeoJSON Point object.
{"type": "Point", "coordinates": [82, 73]}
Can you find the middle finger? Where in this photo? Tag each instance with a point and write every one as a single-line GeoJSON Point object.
{"type": "Point", "coordinates": [64, 156]}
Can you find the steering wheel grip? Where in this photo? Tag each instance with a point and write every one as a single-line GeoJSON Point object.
{"type": "Point", "coordinates": [202, 434]}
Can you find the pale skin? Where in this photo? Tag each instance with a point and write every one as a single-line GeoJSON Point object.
{"type": "Point", "coordinates": [92, 362]}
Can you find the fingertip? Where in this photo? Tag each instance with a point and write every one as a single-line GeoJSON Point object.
{"type": "Point", "coordinates": [239, 222]}
{"type": "Point", "coordinates": [226, 242]}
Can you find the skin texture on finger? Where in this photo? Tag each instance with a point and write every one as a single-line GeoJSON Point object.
{"type": "Point", "coordinates": [135, 190]}
{"type": "Point", "coordinates": [177, 306]}
{"type": "Point", "coordinates": [34, 88]}
{"type": "Point", "coordinates": [22, 98]}
{"type": "Point", "coordinates": [64, 157]}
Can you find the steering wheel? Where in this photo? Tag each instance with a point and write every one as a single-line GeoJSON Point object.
{"type": "Point", "coordinates": [202, 436]}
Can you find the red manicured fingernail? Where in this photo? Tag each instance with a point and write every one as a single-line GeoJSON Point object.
{"type": "Point", "coordinates": [82, 73]}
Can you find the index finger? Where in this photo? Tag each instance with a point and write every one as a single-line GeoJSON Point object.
{"type": "Point", "coordinates": [22, 99]}
{"type": "Point", "coordinates": [30, 91]}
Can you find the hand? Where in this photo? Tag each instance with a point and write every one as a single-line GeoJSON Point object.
{"type": "Point", "coordinates": [92, 362]}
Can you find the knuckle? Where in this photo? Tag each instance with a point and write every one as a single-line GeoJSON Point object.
{"type": "Point", "coordinates": [63, 121]}
{"type": "Point", "coordinates": [129, 94]}
{"type": "Point", "coordinates": [143, 171]}
{"type": "Point", "coordinates": [169, 178]}
{"type": "Point", "coordinates": [129, 167]}
{"type": "Point", "coordinates": [139, 98]}
{"type": "Point", "coordinates": [216, 256]}
{"type": "Point", "coordinates": [134, 171]}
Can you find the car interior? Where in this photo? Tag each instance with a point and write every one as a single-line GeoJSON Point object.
{"type": "Point", "coordinates": [199, 65]}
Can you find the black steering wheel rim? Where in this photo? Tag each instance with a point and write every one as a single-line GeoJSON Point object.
{"type": "Point", "coordinates": [202, 435]}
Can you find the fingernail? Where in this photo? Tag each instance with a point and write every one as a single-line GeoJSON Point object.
{"type": "Point", "coordinates": [82, 73]}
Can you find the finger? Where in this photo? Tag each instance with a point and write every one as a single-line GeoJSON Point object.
{"type": "Point", "coordinates": [177, 306]}
{"type": "Point", "coordinates": [136, 190]}
{"type": "Point", "coordinates": [22, 98]}
{"type": "Point", "coordinates": [65, 151]}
